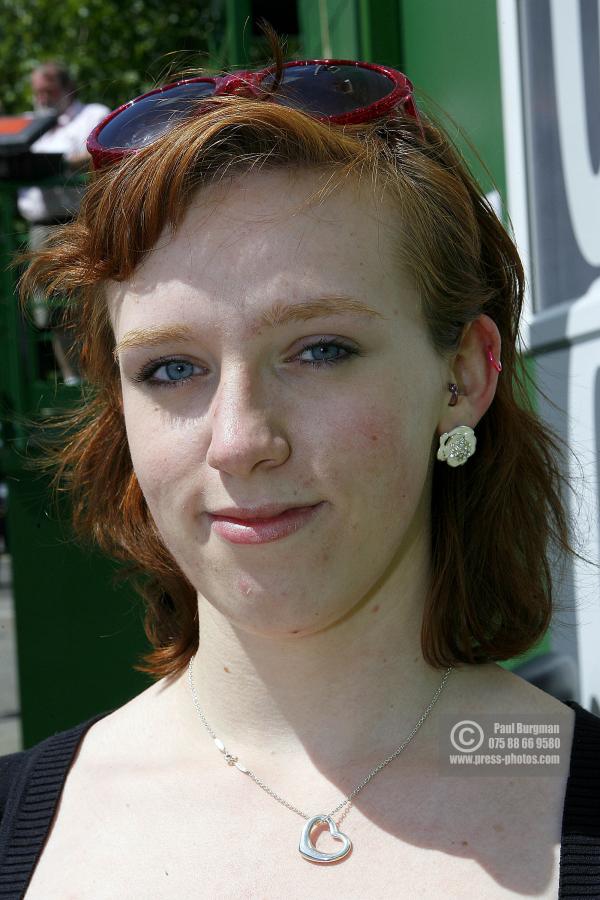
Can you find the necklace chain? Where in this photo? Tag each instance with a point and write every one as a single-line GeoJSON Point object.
{"type": "Point", "coordinates": [233, 760]}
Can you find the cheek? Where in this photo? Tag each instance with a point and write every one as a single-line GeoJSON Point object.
{"type": "Point", "coordinates": [378, 456]}
{"type": "Point", "coordinates": [161, 450]}
{"type": "Point", "coordinates": [382, 429]}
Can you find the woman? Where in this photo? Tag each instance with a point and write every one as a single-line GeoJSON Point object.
{"type": "Point", "coordinates": [291, 326]}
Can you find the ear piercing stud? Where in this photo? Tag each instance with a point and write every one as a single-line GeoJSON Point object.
{"type": "Point", "coordinates": [453, 388]}
{"type": "Point", "coordinates": [496, 364]}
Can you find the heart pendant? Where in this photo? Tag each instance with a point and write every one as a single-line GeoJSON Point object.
{"type": "Point", "coordinates": [308, 849]}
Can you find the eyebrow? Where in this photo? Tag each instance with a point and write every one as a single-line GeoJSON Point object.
{"type": "Point", "coordinates": [278, 314]}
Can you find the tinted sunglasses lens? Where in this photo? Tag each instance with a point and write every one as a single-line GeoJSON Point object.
{"type": "Point", "coordinates": [147, 119]}
{"type": "Point", "coordinates": [330, 90]}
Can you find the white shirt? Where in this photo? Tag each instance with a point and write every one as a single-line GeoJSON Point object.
{"type": "Point", "coordinates": [68, 137]}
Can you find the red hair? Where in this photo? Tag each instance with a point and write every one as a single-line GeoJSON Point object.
{"type": "Point", "coordinates": [495, 521]}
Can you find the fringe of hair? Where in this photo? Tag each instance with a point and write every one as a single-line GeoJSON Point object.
{"type": "Point", "coordinates": [495, 522]}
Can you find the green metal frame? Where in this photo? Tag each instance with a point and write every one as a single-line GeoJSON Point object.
{"type": "Point", "coordinates": [70, 617]}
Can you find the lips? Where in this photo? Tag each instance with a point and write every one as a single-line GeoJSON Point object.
{"type": "Point", "coordinates": [264, 511]}
{"type": "Point", "coordinates": [260, 525]}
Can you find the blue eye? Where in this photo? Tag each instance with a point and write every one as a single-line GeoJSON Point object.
{"type": "Point", "coordinates": [322, 359]}
{"type": "Point", "coordinates": [177, 367]}
{"type": "Point", "coordinates": [171, 366]}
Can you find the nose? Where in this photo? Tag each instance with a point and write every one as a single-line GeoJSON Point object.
{"type": "Point", "coordinates": [244, 433]}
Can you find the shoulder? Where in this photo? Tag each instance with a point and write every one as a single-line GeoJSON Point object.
{"type": "Point", "coordinates": [46, 761]}
{"type": "Point", "coordinates": [145, 730]}
{"type": "Point", "coordinates": [84, 117]}
{"type": "Point", "coordinates": [496, 698]}
{"type": "Point", "coordinates": [585, 755]}
{"type": "Point", "coordinates": [588, 722]}
{"type": "Point", "coordinates": [94, 111]}
{"type": "Point", "coordinates": [492, 688]}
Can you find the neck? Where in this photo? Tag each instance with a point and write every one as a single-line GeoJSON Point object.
{"type": "Point", "coordinates": [343, 694]}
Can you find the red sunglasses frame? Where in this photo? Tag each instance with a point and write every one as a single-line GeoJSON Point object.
{"type": "Point", "coordinates": [249, 83]}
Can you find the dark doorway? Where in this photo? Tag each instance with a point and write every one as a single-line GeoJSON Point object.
{"type": "Point", "coordinates": [283, 16]}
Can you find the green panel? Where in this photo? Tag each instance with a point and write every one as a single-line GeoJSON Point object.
{"type": "Point", "coordinates": [529, 363]}
{"type": "Point", "coordinates": [544, 646]}
{"type": "Point", "coordinates": [358, 29]}
{"type": "Point", "coordinates": [310, 29]}
{"type": "Point", "coordinates": [450, 52]}
{"type": "Point", "coordinates": [78, 636]}
{"type": "Point", "coordinates": [239, 31]}
{"type": "Point", "coordinates": [329, 28]}
{"type": "Point", "coordinates": [379, 22]}
{"type": "Point", "coordinates": [12, 381]}
{"type": "Point", "coordinates": [342, 28]}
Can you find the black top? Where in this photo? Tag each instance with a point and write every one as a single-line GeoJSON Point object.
{"type": "Point", "coordinates": [31, 782]}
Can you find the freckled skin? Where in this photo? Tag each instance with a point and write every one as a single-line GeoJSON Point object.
{"type": "Point", "coordinates": [251, 426]}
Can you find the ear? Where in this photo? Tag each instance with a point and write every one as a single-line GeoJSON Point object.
{"type": "Point", "coordinates": [474, 373]}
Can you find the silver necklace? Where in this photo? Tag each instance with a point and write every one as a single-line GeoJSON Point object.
{"type": "Point", "coordinates": [306, 846]}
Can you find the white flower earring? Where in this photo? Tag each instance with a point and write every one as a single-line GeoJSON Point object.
{"type": "Point", "coordinates": [457, 446]}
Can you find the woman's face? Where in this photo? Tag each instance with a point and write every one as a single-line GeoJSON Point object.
{"type": "Point", "coordinates": [237, 414]}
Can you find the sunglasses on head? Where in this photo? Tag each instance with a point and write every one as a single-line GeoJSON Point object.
{"type": "Point", "coordinates": [340, 91]}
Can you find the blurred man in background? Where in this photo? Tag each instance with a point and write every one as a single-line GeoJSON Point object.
{"type": "Point", "coordinates": [44, 207]}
